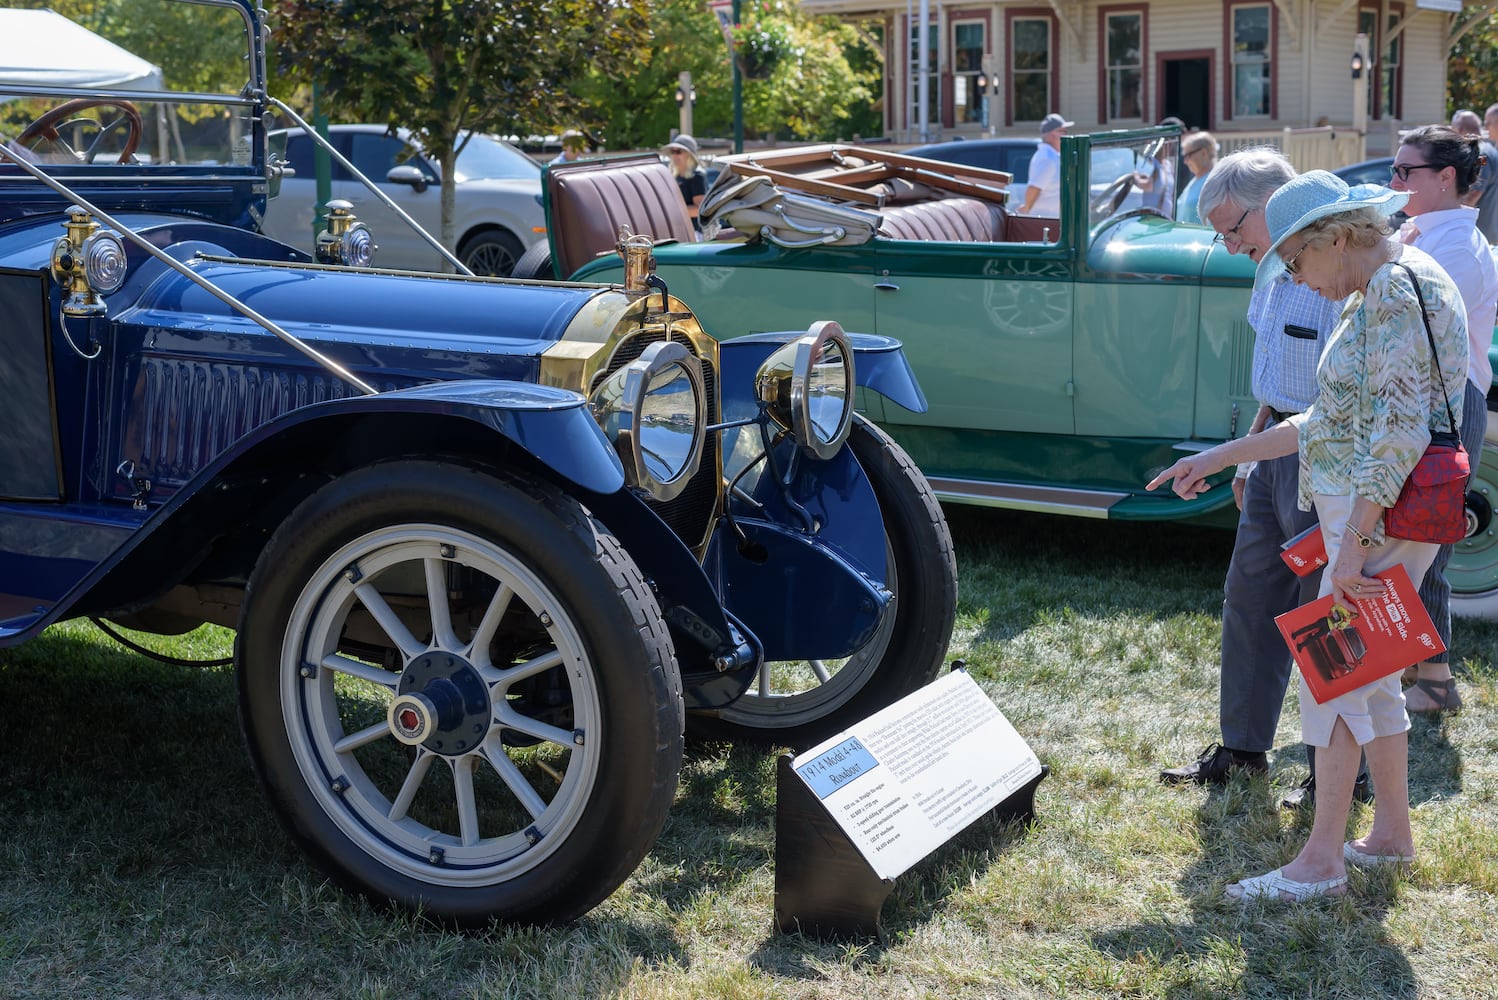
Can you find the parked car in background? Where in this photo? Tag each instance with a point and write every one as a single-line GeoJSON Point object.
{"type": "Point", "coordinates": [497, 212]}
{"type": "Point", "coordinates": [1067, 360]}
{"type": "Point", "coordinates": [1010, 155]}
{"type": "Point", "coordinates": [490, 547]}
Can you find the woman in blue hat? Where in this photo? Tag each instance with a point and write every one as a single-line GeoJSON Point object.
{"type": "Point", "coordinates": [1380, 394]}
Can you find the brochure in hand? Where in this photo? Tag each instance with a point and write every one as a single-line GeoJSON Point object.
{"type": "Point", "coordinates": [1339, 648]}
{"type": "Point", "coordinates": [1306, 552]}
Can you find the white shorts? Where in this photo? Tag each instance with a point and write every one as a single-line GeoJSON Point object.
{"type": "Point", "coordinates": [1376, 709]}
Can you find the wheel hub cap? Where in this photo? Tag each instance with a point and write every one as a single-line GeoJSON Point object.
{"type": "Point", "coordinates": [442, 704]}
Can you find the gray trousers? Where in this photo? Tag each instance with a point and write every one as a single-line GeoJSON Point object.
{"type": "Point", "coordinates": [1435, 592]}
{"type": "Point", "coordinates": [1256, 664]}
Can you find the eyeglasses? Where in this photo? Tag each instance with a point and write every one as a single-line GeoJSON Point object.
{"type": "Point", "coordinates": [1292, 266]}
{"type": "Point", "coordinates": [1232, 234]}
{"type": "Point", "coordinates": [1402, 170]}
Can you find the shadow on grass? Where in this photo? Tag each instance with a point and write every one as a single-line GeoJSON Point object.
{"type": "Point", "coordinates": [1323, 948]}
{"type": "Point", "coordinates": [1020, 566]}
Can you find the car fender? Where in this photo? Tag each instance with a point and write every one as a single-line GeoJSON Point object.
{"type": "Point", "coordinates": [879, 364]}
{"type": "Point", "coordinates": [551, 426]}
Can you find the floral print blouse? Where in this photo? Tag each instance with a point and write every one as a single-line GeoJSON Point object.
{"type": "Point", "coordinates": [1378, 397]}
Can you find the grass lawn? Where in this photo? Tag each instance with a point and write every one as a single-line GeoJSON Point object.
{"type": "Point", "coordinates": [140, 859]}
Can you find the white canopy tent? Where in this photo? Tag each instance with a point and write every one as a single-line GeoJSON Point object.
{"type": "Point", "coordinates": [42, 48]}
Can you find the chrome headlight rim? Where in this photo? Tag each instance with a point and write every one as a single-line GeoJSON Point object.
{"type": "Point", "coordinates": [784, 383]}
{"type": "Point", "coordinates": [103, 260]}
{"type": "Point", "coordinates": [625, 393]}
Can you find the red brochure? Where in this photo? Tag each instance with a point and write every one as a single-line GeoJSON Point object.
{"type": "Point", "coordinates": [1338, 648]}
{"type": "Point", "coordinates": [1306, 552]}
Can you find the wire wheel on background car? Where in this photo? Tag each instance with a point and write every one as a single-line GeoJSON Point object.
{"type": "Point", "coordinates": [492, 253]}
{"type": "Point", "coordinates": [800, 703]}
{"type": "Point", "coordinates": [459, 694]}
{"type": "Point", "coordinates": [1473, 570]}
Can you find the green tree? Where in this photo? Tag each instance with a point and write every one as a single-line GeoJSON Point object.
{"type": "Point", "coordinates": [448, 68]}
{"type": "Point", "coordinates": [1472, 67]}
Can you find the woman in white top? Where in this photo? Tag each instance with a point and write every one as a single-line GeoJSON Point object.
{"type": "Point", "coordinates": [1437, 165]}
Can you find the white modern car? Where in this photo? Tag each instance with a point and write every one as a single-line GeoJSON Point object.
{"type": "Point", "coordinates": [497, 212]}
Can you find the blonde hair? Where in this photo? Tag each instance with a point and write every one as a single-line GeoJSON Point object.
{"type": "Point", "coordinates": [1361, 227]}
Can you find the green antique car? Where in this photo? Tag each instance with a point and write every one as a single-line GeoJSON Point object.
{"type": "Point", "coordinates": [1066, 360]}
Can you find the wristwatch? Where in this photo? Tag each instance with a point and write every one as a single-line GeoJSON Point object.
{"type": "Point", "coordinates": [1366, 541]}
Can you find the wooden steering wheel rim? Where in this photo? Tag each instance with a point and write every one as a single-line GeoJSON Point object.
{"type": "Point", "coordinates": [45, 126]}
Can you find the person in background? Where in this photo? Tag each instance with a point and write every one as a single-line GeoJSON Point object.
{"type": "Point", "coordinates": [1291, 325]}
{"type": "Point", "coordinates": [1380, 395]}
{"type": "Point", "coordinates": [1043, 196]}
{"type": "Point", "coordinates": [690, 177]}
{"type": "Point", "coordinates": [1483, 192]}
{"type": "Point", "coordinates": [1199, 150]}
{"type": "Point", "coordinates": [1157, 180]}
{"type": "Point", "coordinates": [1436, 167]}
{"type": "Point", "coordinates": [573, 144]}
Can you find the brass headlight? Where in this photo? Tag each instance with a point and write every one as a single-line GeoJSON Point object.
{"type": "Point", "coordinates": [346, 241]}
{"type": "Point", "coordinates": [807, 386]}
{"type": "Point", "coordinates": [654, 410]}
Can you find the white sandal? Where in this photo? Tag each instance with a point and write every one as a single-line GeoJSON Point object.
{"type": "Point", "coordinates": [1270, 885]}
{"type": "Point", "coordinates": [1353, 856]}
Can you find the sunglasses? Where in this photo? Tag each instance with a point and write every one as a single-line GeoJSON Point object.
{"type": "Point", "coordinates": [1292, 266]}
{"type": "Point", "coordinates": [1232, 234]}
{"type": "Point", "coordinates": [1402, 170]}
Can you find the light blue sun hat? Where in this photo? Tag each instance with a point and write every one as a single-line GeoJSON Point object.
{"type": "Point", "coordinates": [1314, 195]}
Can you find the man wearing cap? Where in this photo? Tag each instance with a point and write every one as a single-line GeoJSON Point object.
{"type": "Point", "coordinates": [1044, 194]}
{"type": "Point", "coordinates": [1291, 326]}
{"type": "Point", "coordinates": [690, 176]}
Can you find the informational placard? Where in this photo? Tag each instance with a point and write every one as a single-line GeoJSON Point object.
{"type": "Point", "coordinates": [905, 780]}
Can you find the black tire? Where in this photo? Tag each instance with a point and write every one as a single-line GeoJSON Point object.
{"type": "Point", "coordinates": [908, 650]}
{"type": "Point", "coordinates": [535, 263]}
{"type": "Point", "coordinates": [592, 742]}
{"type": "Point", "coordinates": [491, 253]}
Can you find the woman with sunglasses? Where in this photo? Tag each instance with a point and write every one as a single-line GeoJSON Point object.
{"type": "Point", "coordinates": [681, 152]}
{"type": "Point", "coordinates": [1436, 166]}
{"type": "Point", "coordinates": [1380, 394]}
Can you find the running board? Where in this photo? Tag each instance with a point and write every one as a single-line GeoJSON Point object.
{"type": "Point", "coordinates": [1017, 496]}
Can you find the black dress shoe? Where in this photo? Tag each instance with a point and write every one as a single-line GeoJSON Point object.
{"type": "Point", "coordinates": [1215, 766]}
{"type": "Point", "coordinates": [1304, 795]}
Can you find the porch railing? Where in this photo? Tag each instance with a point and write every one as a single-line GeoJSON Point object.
{"type": "Point", "coordinates": [1326, 147]}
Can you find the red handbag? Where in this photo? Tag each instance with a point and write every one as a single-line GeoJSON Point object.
{"type": "Point", "coordinates": [1432, 505]}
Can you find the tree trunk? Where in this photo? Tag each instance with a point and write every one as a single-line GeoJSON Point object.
{"type": "Point", "coordinates": [448, 163]}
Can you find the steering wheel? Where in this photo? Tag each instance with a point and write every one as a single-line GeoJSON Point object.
{"type": "Point", "coordinates": [1106, 203]}
{"type": "Point", "coordinates": [46, 127]}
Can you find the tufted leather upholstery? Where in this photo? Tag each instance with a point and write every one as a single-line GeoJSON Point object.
{"type": "Point", "coordinates": [952, 220]}
{"type": "Point", "coordinates": [591, 199]}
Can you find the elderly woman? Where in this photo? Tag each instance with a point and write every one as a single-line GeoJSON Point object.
{"type": "Point", "coordinates": [1199, 152]}
{"type": "Point", "coordinates": [1436, 167]}
{"type": "Point", "coordinates": [1379, 396]}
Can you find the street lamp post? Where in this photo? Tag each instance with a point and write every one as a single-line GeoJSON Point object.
{"type": "Point", "coordinates": [1360, 69]}
{"type": "Point", "coordinates": [686, 97]}
{"type": "Point", "coordinates": [988, 87]}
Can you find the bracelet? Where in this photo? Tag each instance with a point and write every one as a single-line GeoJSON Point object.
{"type": "Point", "coordinates": [1364, 540]}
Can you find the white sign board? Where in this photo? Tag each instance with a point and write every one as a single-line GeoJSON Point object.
{"type": "Point", "coordinates": [1454, 6]}
{"type": "Point", "coordinates": [905, 780]}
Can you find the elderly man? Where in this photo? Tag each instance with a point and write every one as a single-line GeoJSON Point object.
{"type": "Point", "coordinates": [1291, 326]}
{"type": "Point", "coordinates": [1483, 194]}
{"type": "Point", "coordinates": [1043, 197]}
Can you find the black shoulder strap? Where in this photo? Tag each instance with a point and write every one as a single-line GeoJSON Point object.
{"type": "Point", "coordinates": [1435, 358]}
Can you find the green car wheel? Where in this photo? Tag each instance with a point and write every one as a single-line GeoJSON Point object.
{"type": "Point", "coordinates": [1473, 571]}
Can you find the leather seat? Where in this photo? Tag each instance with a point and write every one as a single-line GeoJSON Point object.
{"type": "Point", "coordinates": [951, 220]}
{"type": "Point", "coordinates": [591, 199]}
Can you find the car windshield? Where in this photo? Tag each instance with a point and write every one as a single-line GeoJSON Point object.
{"type": "Point", "coordinates": [486, 157]}
{"type": "Point", "coordinates": [1125, 176]}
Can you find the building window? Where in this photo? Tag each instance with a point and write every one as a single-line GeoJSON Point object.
{"type": "Point", "coordinates": [1123, 62]}
{"type": "Point", "coordinates": [1383, 83]}
{"type": "Point", "coordinates": [1031, 40]}
{"type": "Point", "coordinates": [968, 46]}
{"type": "Point", "coordinates": [1252, 60]}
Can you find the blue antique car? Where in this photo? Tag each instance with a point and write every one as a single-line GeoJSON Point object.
{"type": "Point", "coordinates": [1067, 359]}
{"type": "Point", "coordinates": [491, 547]}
